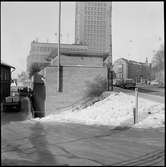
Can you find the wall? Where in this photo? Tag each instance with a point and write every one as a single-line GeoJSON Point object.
{"type": "Point", "coordinates": [74, 85]}
{"type": "Point", "coordinates": [79, 60]}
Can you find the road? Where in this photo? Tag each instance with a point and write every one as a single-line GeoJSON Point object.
{"type": "Point", "coordinates": [144, 93]}
{"type": "Point", "coordinates": [23, 114]}
{"type": "Point", "coordinates": [81, 145]}
{"type": "Point", "coordinates": [49, 143]}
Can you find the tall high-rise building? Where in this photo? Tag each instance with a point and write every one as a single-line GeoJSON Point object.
{"type": "Point", "coordinates": [93, 25]}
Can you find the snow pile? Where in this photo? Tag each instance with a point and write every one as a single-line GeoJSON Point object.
{"type": "Point", "coordinates": [155, 119]}
{"type": "Point", "coordinates": [113, 111]}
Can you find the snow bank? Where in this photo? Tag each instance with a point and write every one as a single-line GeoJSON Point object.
{"type": "Point", "coordinates": [155, 119]}
{"type": "Point", "coordinates": [114, 111]}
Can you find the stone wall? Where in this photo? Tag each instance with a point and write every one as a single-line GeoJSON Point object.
{"type": "Point", "coordinates": [74, 85]}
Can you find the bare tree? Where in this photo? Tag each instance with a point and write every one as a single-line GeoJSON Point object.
{"type": "Point", "coordinates": [158, 64]}
{"type": "Point", "coordinates": [22, 76]}
{"type": "Point", "coordinates": [36, 67]}
{"type": "Point", "coordinates": [158, 60]}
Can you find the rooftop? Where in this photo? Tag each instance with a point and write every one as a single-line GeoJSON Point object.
{"type": "Point", "coordinates": [7, 65]}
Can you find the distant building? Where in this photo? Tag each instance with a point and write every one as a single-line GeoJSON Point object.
{"type": "Point", "coordinates": [44, 52]}
{"type": "Point", "coordinates": [5, 80]}
{"type": "Point", "coordinates": [93, 25]}
{"type": "Point", "coordinates": [92, 33]}
{"type": "Point", "coordinates": [39, 52]}
{"type": "Point", "coordinates": [138, 71]}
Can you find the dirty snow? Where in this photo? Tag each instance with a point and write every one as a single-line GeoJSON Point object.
{"type": "Point", "coordinates": [115, 110]}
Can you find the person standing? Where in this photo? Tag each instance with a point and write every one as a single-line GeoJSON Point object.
{"type": "Point", "coordinates": [38, 95]}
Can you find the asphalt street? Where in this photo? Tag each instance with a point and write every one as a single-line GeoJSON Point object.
{"type": "Point", "coordinates": [150, 95]}
{"type": "Point", "coordinates": [75, 144]}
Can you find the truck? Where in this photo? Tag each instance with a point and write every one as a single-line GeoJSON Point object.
{"type": "Point", "coordinates": [12, 103]}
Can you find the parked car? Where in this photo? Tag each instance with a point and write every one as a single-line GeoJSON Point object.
{"type": "Point", "coordinates": [124, 83]}
{"type": "Point", "coordinates": [156, 83]}
{"type": "Point", "coordinates": [12, 102]}
{"type": "Point", "coordinates": [117, 82]}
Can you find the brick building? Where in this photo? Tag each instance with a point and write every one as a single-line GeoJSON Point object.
{"type": "Point", "coordinates": [76, 71]}
{"type": "Point", "coordinates": [138, 71]}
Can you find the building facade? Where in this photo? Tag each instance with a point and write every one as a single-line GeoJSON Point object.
{"type": "Point", "coordinates": [138, 71]}
{"type": "Point", "coordinates": [93, 25]}
{"type": "Point", "coordinates": [39, 52]}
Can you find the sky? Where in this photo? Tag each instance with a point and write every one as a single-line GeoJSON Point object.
{"type": "Point", "coordinates": [137, 29]}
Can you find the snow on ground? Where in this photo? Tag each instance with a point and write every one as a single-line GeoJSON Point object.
{"type": "Point", "coordinates": [114, 111]}
{"type": "Point", "coordinates": [154, 120]}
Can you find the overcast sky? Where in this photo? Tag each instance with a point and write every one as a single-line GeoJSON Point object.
{"type": "Point", "coordinates": [137, 28]}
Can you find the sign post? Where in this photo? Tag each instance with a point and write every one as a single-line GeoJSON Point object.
{"type": "Point", "coordinates": [135, 109]}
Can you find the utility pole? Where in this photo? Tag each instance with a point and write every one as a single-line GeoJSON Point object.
{"type": "Point", "coordinates": [109, 63]}
{"type": "Point", "coordinates": [111, 69]}
{"type": "Point", "coordinates": [59, 43]}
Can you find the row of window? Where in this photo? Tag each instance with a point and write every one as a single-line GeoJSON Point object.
{"type": "Point", "coordinates": [99, 45]}
{"type": "Point", "coordinates": [94, 28]}
{"type": "Point", "coordinates": [92, 20]}
{"type": "Point", "coordinates": [95, 22]}
{"type": "Point", "coordinates": [42, 49]}
{"type": "Point", "coordinates": [95, 12]}
{"type": "Point", "coordinates": [95, 33]}
{"type": "Point", "coordinates": [45, 49]}
{"type": "Point", "coordinates": [99, 4]}
{"type": "Point", "coordinates": [98, 40]}
{"type": "Point", "coordinates": [94, 25]}
{"type": "Point", "coordinates": [96, 16]}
